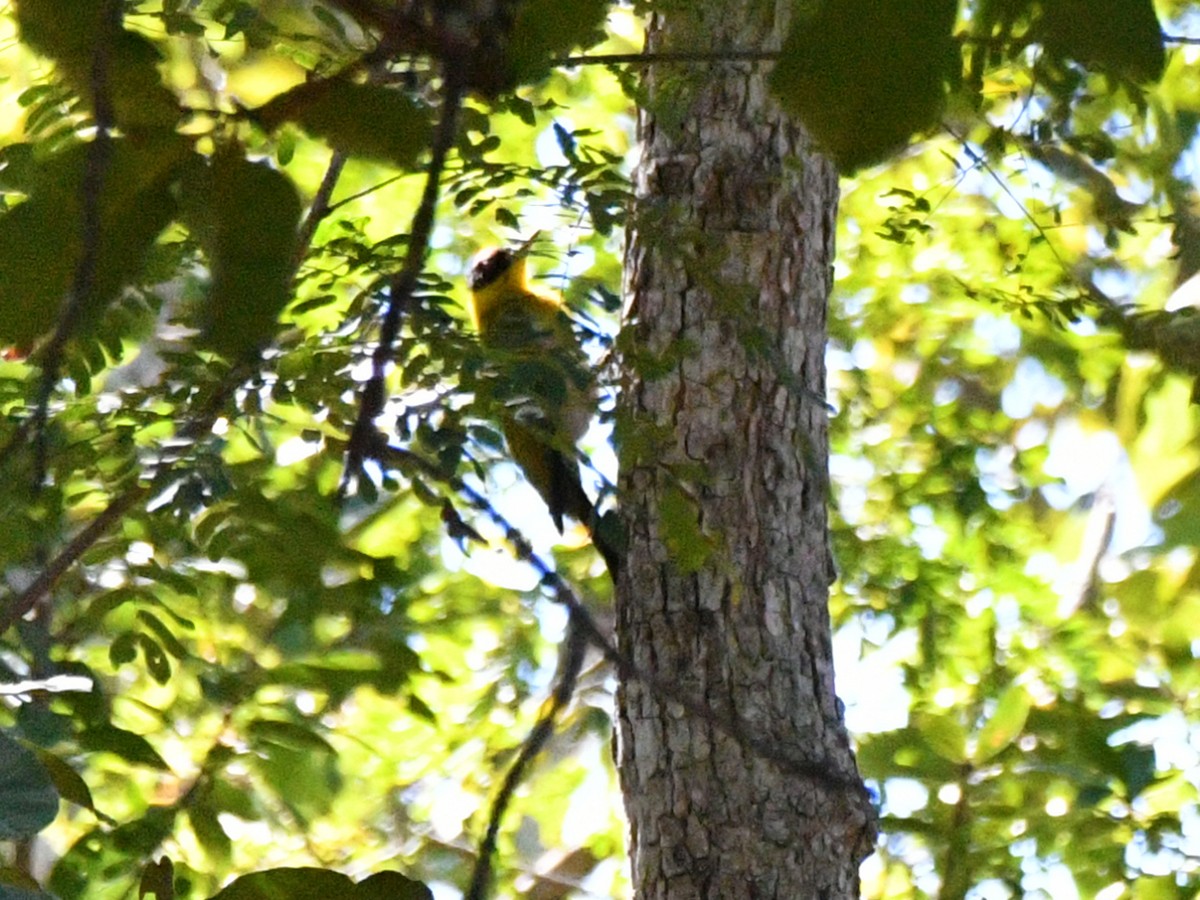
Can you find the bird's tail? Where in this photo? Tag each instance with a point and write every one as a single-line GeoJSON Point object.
{"type": "Point", "coordinates": [567, 497]}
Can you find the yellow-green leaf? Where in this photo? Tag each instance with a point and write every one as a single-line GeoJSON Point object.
{"type": "Point", "coordinates": [944, 736]}
{"type": "Point", "coordinates": [1005, 723]}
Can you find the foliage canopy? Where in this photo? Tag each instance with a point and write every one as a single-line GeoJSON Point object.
{"type": "Point", "coordinates": [240, 654]}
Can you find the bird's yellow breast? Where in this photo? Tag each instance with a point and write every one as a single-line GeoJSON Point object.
{"type": "Point", "coordinates": [507, 301]}
{"type": "Point", "coordinates": [529, 336]}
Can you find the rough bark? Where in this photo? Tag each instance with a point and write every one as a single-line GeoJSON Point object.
{"type": "Point", "coordinates": [729, 269]}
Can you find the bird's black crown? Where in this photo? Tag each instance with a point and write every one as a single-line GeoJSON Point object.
{"type": "Point", "coordinates": [489, 266]}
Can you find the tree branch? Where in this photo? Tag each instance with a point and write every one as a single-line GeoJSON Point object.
{"type": "Point", "coordinates": [320, 207]}
{"type": "Point", "coordinates": [576, 645]}
{"type": "Point", "coordinates": [98, 155]}
{"type": "Point", "coordinates": [364, 436]}
{"type": "Point", "coordinates": [664, 689]}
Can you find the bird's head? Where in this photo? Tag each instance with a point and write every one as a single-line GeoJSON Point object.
{"type": "Point", "coordinates": [494, 264]}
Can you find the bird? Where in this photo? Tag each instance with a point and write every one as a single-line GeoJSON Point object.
{"type": "Point", "coordinates": [545, 388]}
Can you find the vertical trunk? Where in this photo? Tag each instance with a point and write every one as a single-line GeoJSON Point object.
{"type": "Point", "coordinates": [725, 426]}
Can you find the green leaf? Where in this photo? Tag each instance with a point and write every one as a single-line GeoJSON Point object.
{"type": "Point", "coordinates": [306, 781]}
{"type": "Point", "coordinates": [1174, 513]}
{"type": "Point", "coordinates": [67, 782]}
{"type": "Point", "coordinates": [208, 831]}
{"type": "Point", "coordinates": [69, 31]}
{"type": "Point", "coordinates": [1005, 724]}
{"type": "Point", "coordinates": [42, 239]}
{"type": "Point", "coordinates": [158, 880]}
{"type": "Point", "coordinates": [229, 796]}
{"type": "Point", "coordinates": [860, 102]}
{"type": "Point", "coordinates": [129, 746]}
{"type": "Point", "coordinates": [287, 884]}
{"type": "Point", "coordinates": [1137, 767]}
{"type": "Point", "coordinates": [164, 635]}
{"type": "Point", "coordinates": [1119, 36]}
{"type": "Point", "coordinates": [391, 886]}
{"type": "Point", "coordinates": [943, 735]}
{"type": "Point", "coordinates": [157, 662]}
{"type": "Point", "coordinates": [245, 215]}
{"type": "Point", "coordinates": [123, 649]}
{"type": "Point", "coordinates": [28, 802]}
{"type": "Point", "coordinates": [359, 119]}
{"type": "Point", "coordinates": [289, 734]}
{"type": "Point", "coordinates": [548, 28]}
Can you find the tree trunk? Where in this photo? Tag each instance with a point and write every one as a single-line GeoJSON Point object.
{"type": "Point", "coordinates": [723, 458]}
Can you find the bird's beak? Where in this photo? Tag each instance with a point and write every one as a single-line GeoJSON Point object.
{"type": "Point", "coordinates": [522, 249]}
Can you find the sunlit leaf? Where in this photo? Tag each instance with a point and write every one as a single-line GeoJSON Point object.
{"type": "Point", "coordinates": [289, 734]}
{"type": "Point", "coordinates": [1005, 723]}
{"type": "Point", "coordinates": [945, 736]}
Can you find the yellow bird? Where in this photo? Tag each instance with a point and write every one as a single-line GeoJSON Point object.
{"type": "Point", "coordinates": [546, 390]}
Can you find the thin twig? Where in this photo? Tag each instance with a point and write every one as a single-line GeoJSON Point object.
{"type": "Point", "coordinates": [51, 572]}
{"type": "Point", "coordinates": [99, 154]}
{"type": "Point", "coordinates": [680, 56]}
{"type": "Point", "coordinates": [583, 630]}
{"type": "Point", "coordinates": [739, 55]}
{"type": "Point", "coordinates": [49, 575]}
{"type": "Point", "coordinates": [364, 437]}
{"type": "Point", "coordinates": [358, 195]}
{"type": "Point", "coordinates": [320, 207]}
{"type": "Point", "coordinates": [576, 644]}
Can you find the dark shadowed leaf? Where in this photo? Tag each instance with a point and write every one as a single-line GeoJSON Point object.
{"type": "Point", "coordinates": [866, 75]}
{"type": "Point", "coordinates": [245, 215]}
{"type": "Point", "coordinates": [1120, 36]}
{"type": "Point", "coordinates": [359, 119]}
{"type": "Point", "coordinates": [67, 782]}
{"type": "Point", "coordinates": [129, 746]}
{"type": "Point", "coordinates": [391, 886]}
{"type": "Point", "coordinates": [158, 880]}
{"type": "Point", "coordinates": [41, 239]}
{"type": "Point", "coordinates": [287, 884]}
{"type": "Point", "coordinates": [208, 831]}
{"type": "Point", "coordinates": [68, 31]}
{"type": "Point", "coordinates": [548, 28]}
{"type": "Point", "coordinates": [28, 802]}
